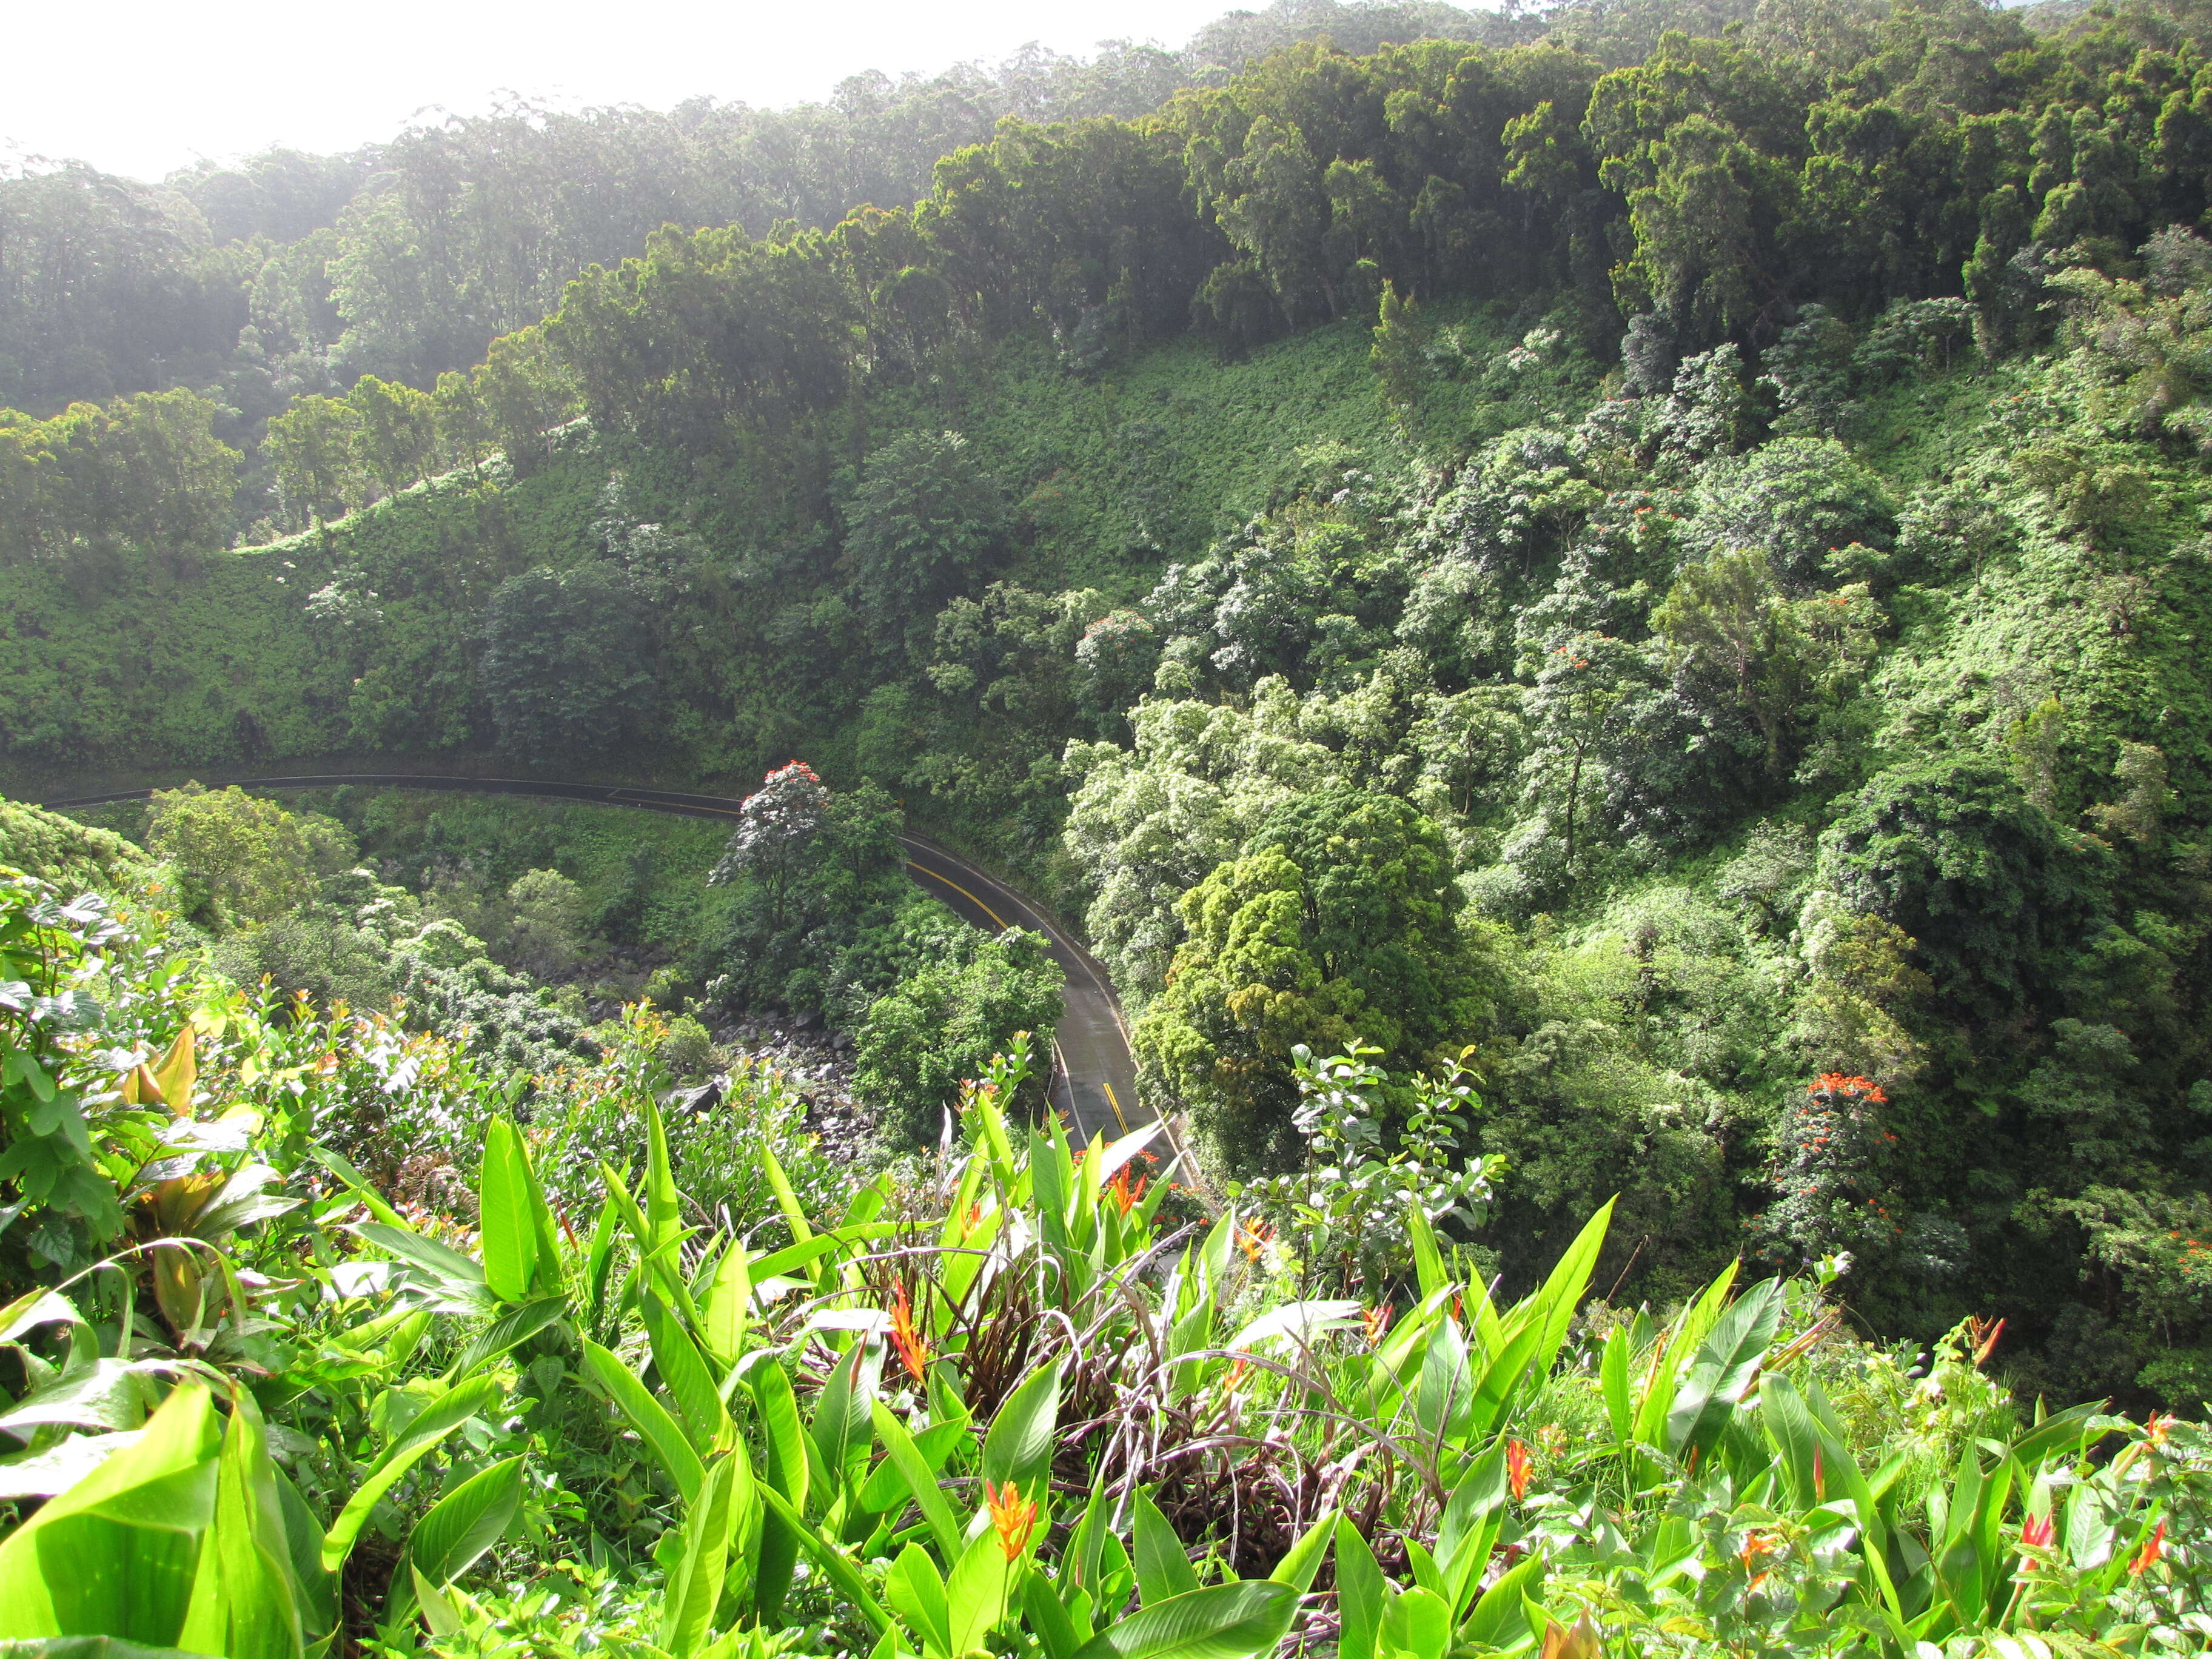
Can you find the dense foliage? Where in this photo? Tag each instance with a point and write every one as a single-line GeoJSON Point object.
{"type": "Point", "coordinates": [1235, 519]}
{"type": "Point", "coordinates": [602, 1381]}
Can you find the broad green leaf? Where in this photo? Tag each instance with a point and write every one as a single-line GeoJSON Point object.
{"type": "Point", "coordinates": [729, 1306]}
{"type": "Point", "coordinates": [1055, 1627]}
{"type": "Point", "coordinates": [840, 1424]}
{"type": "Point", "coordinates": [464, 1524]}
{"type": "Point", "coordinates": [1019, 1446]}
{"type": "Point", "coordinates": [433, 1424]}
{"type": "Point", "coordinates": [975, 1594]}
{"type": "Point", "coordinates": [1163, 1568]}
{"type": "Point", "coordinates": [661, 1433]}
{"type": "Point", "coordinates": [1221, 1621]}
{"type": "Point", "coordinates": [1501, 1606]}
{"type": "Point", "coordinates": [1723, 1368]}
{"type": "Point", "coordinates": [1562, 1292]}
{"type": "Point", "coordinates": [510, 1330]}
{"type": "Point", "coordinates": [694, 1584]}
{"type": "Point", "coordinates": [685, 1375]}
{"type": "Point", "coordinates": [116, 1554]}
{"type": "Point", "coordinates": [916, 1592]}
{"type": "Point", "coordinates": [1795, 1439]}
{"type": "Point", "coordinates": [1613, 1379]}
{"type": "Point", "coordinates": [1428, 1259]}
{"type": "Point", "coordinates": [794, 1214]}
{"type": "Point", "coordinates": [1300, 1321]}
{"type": "Point", "coordinates": [1302, 1561]}
{"type": "Point", "coordinates": [1688, 1331]}
{"type": "Point", "coordinates": [458, 1278]}
{"type": "Point", "coordinates": [784, 1487]}
{"type": "Point", "coordinates": [917, 1479]}
{"type": "Point", "coordinates": [835, 1564]}
{"type": "Point", "coordinates": [507, 1232]}
{"type": "Point", "coordinates": [1360, 1593]}
{"type": "Point", "coordinates": [1418, 1622]}
{"type": "Point", "coordinates": [249, 1606]}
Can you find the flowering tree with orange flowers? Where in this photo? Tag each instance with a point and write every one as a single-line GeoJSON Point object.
{"type": "Point", "coordinates": [1833, 1174]}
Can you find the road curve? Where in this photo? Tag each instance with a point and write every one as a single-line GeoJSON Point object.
{"type": "Point", "coordinates": [1094, 1078]}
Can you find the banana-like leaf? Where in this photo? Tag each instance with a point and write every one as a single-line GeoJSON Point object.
{"type": "Point", "coordinates": [840, 1426]}
{"type": "Point", "coordinates": [695, 1585]}
{"type": "Point", "coordinates": [1019, 1446]}
{"type": "Point", "coordinates": [689, 1381]}
{"type": "Point", "coordinates": [728, 1305]}
{"type": "Point", "coordinates": [1361, 1595]}
{"type": "Point", "coordinates": [1502, 1605]}
{"type": "Point", "coordinates": [917, 1477]}
{"type": "Point", "coordinates": [1163, 1568]}
{"type": "Point", "coordinates": [250, 1605]}
{"type": "Point", "coordinates": [118, 1553]}
{"type": "Point", "coordinates": [510, 1330]}
{"type": "Point", "coordinates": [1417, 1622]}
{"type": "Point", "coordinates": [463, 1402]}
{"type": "Point", "coordinates": [508, 1235]}
{"type": "Point", "coordinates": [467, 1523]}
{"type": "Point", "coordinates": [1221, 1621]}
{"type": "Point", "coordinates": [916, 1592]}
{"type": "Point", "coordinates": [661, 1433]}
{"type": "Point", "coordinates": [459, 1282]}
{"type": "Point", "coordinates": [976, 1593]}
{"type": "Point", "coordinates": [1724, 1365]}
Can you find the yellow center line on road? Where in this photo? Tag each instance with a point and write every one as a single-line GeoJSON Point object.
{"type": "Point", "coordinates": [959, 888]}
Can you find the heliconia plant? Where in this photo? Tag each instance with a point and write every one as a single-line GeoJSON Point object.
{"type": "Point", "coordinates": [1019, 1408]}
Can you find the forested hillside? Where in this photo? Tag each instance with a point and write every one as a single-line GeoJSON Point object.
{"type": "Point", "coordinates": [1667, 567]}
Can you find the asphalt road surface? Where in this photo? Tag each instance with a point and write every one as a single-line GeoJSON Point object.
{"type": "Point", "coordinates": [1094, 1078]}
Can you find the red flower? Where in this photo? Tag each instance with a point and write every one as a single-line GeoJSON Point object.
{"type": "Point", "coordinates": [1517, 1468]}
{"type": "Point", "coordinates": [2153, 1546]}
{"type": "Point", "coordinates": [2036, 1531]}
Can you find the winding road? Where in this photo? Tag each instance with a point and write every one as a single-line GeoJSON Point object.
{"type": "Point", "coordinates": [1094, 1078]}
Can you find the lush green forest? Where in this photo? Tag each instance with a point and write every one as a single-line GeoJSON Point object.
{"type": "Point", "coordinates": [1595, 613]}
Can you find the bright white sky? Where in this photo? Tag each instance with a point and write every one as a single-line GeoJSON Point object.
{"type": "Point", "coordinates": [143, 87]}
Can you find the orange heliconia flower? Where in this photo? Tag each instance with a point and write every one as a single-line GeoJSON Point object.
{"type": "Point", "coordinates": [1126, 1187]}
{"type": "Point", "coordinates": [1254, 1237]}
{"type": "Point", "coordinates": [1377, 1323]}
{"type": "Point", "coordinates": [1819, 1484]}
{"type": "Point", "coordinates": [1984, 1336]}
{"type": "Point", "coordinates": [2154, 1431]}
{"type": "Point", "coordinates": [912, 1352]}
{"type": "Point", "coordinates": [1013, 1517]}
{"type": "Point", "coordinates": [1517, 1468]}
{"type": "Point", "coordinates": [2153, 1546]}
{"type": "Point", "coordinates": [2036, 1531]}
